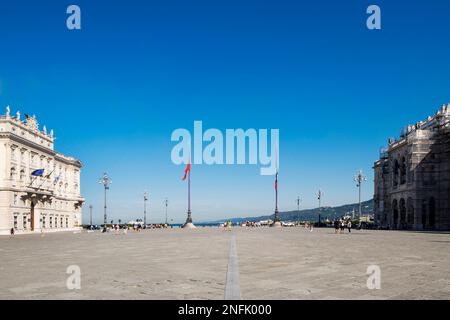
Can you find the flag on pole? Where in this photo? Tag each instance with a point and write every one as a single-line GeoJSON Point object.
{"type": "Point", "coordinates": [38, 173]}
{"type": "Point", "coordinates": [55, 181]}
{"type": "Point", "coordinates": [188, 168]}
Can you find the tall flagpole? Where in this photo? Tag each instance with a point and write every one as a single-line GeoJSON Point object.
{"type": "Point", "coordinates": [276, 218]}
{"type": "Point", "coordinates": [188, 224]}
{"type": "Point", "coordinates": [189, 215]}
{"type": "Point", "coordinates": [276, 198]}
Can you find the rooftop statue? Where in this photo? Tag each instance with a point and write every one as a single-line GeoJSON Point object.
{"type": "Point", "coordinates": [32, 123]}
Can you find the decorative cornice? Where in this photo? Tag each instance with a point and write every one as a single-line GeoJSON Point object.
{"type": "Point", "coordinates": [48, 151]}
{"type": "Point", "coordinates": [28, 143]}
{"type": "Point", "coordinates": [32, 129]}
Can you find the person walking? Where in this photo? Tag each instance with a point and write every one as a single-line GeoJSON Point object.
{"type": "Point", "coordinates": [349, 226]}
{"type": "Point", "coordinates": [342, 225]}
{"type": "Point", "coordinates": [336, 226]}
{"type": "Point", "coordinates": [12, 231]}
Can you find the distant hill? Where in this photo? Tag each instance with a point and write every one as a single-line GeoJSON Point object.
{"type": "Point", "coordinates": [310, 214]}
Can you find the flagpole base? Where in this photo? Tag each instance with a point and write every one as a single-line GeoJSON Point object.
{"type": "Point", "coordinates": [276, 220]}
{"type": "Point", "coordinates": [276, 224]}
{"type": "Point", "coordinates": [189, 225]}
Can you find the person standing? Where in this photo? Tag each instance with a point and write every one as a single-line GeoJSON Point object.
{"type": "Point", "coordinates": [336, 226]}
{"type": "Point", "coordinates": [349, 226]}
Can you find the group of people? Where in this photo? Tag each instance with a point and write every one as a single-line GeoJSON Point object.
{"type": "Point", "coordinates": [309, 226]}
{"type": "Point", "coordinates": [340, 225]}
{"type": "Point", "coordinates": [251, 224]}
{"type": "Point", "coordinates": [135, 227]}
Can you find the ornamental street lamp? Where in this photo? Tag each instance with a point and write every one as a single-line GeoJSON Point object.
{"type": "Point", "coordinates": [166, 203]}
{"type": "Point", "coordinates": [319, 197]}
{"type": "Point", "coordinates": [90, 215]}
{"type": "Point", "coordinates": [359, 179]}
{"type": "Point", "coordinates": [145, 208]}
{"type": "Point", "coordinates": [105, 181]}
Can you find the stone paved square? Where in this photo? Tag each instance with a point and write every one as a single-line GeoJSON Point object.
{"type": "Point", "coordinates": [273, 263]}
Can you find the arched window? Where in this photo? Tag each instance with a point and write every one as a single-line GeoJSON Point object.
{"type": "Point", "coordinates": [395, 173]}
{"type": "Point", "coordinates": [410, 211]}
{"type": "Point", "coordinates": [403, 171]}
{"type": "Point", "coordinates": [24, 221]}
{"type": "Point", "coordinates": [395, 212]}
{"type": "Point", "coordinates": [432, 213]}
{"type": "Point", "coordinates": [402, 213]}
{"type": "Point", "coordinates": [424, 213]}
{"type": "Point", "coordinates": [15, 220]}
{"type": "Point", "coordinates": [13, 172]}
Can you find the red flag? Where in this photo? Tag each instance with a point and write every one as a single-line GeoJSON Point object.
{"type": "Point", "coordinates": [276, 181]}
{"type": "Point", "coordinates": [188, 168]}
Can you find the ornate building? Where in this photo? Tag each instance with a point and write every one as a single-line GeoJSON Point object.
{"type": "Point", "coordinates": [50, 202]}
{"type": "Point", "coordinates": [412, 177]}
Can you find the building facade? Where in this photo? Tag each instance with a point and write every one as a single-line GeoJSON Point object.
{"type": "Point", "coordinates": [412, 177]}
{"type": "Point", "coordinates": [51, 202]}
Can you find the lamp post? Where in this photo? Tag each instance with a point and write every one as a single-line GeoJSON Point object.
{"type": "Point", "coordinates": [166, 203]}
{"type": "Point", "coordinates": [319, 197]}
{"type": "Point", "coordinates": [106, 181]}
{"type": "Point", "coordinates": [359, 179]}
{"type": "Point", "coordinates": [298, 209]}
{"type": "Point", "coordinates": [145, 208]}
{"type": "Point", "coordinates": [90, 215]}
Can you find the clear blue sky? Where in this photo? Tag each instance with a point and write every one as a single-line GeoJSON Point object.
{"type": "Point", "coordinates": [115, 90]}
